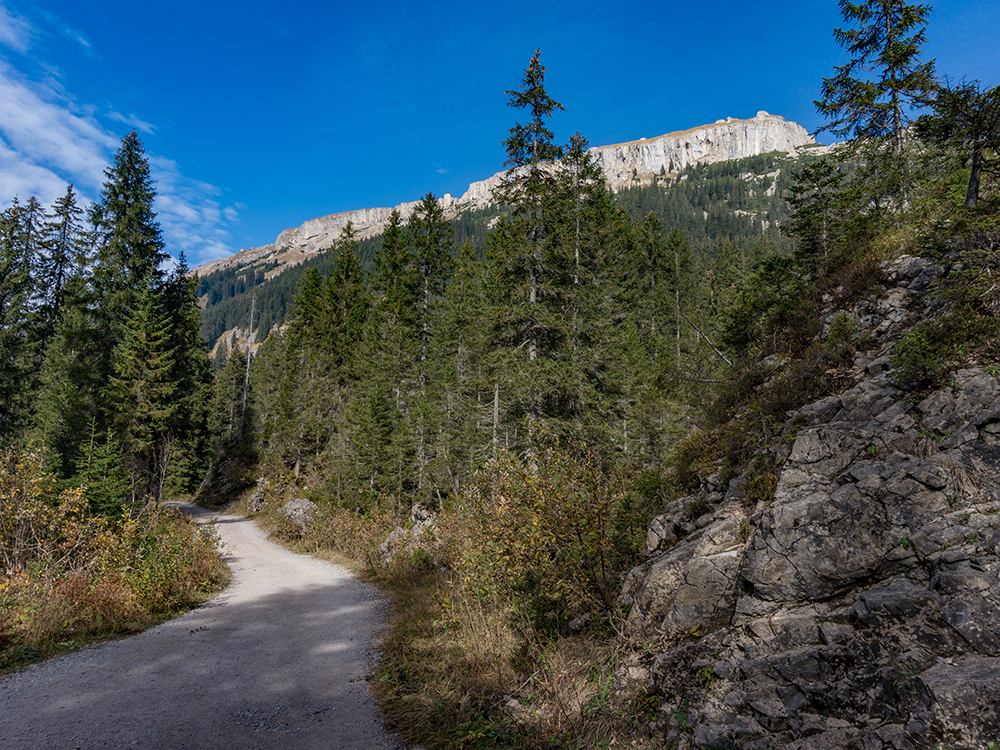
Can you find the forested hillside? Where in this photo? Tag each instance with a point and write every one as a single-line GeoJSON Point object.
{"type": "Point", "coordinates": [401, 381]}
{"type": "Point", "coordinates": [228, 294]}
{"type": "Point", "coordinates": [605, 397]}
{"type": "Point", "coordinates": [742, 201]}
{"type": "Point", "coordinates": [707, 462]}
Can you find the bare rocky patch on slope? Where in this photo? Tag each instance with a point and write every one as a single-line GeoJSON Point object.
{"type": "Point", "coordinates": [858, 607]}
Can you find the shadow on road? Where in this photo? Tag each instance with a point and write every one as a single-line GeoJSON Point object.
{"type": "Point", "coordinates": [277, 660]}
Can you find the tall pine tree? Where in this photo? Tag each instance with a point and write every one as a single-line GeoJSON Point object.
{"type": "Point", "coordinates": [530, 329]}
{"type": "Point", "coordinates": [129, 242]}
{"type": "Point", "coordinates": [16, 345]}
{"type": "Point", "coordinates": [866, 98]}
{"type": "Point", "coordinates": [143, 393]}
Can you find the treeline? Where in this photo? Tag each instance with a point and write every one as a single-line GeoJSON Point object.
{"type": "Point", "coordinates": [229, 282]}
{"type": "Point", "coordinates": [586, 330]}
{"type": "Point", "coordinates": [740, 201]}
{"type": "Point", "coordinates": [102, 363]}
{"type": "Point", "coordinates": [233, 289]}
{"type": "Point", "coordinates": [576, 325]}
{"type": "Point", "coordinates": [104, 385]}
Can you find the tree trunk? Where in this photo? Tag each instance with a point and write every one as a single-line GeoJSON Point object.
{"type": "Point", "coordinates": [975, 172]}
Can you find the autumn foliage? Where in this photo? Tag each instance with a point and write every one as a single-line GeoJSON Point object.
{"type": "Point", "coordinates": [69, 575]}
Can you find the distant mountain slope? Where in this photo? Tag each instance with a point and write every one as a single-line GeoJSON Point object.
{"type": "Point", "coordinates": [624, 164]}
{"type": "Point", "coordinates": [690, 179]}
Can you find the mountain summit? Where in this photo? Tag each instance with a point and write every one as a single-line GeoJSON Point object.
{"type": "Point", "coordinates": [624, 164]}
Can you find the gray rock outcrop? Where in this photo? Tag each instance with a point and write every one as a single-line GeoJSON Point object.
{"type": "Point", "coordinates": [300, 512]}
{"type": "Point", "coordinates": [420, 534]}
{"type": "Point", "coordinates": [860, 607]}
{"type": "Point", "coordinates": [725, 140]}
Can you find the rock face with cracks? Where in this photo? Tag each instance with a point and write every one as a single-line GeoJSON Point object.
{"type": "Point", "coordinates": [860, 607]}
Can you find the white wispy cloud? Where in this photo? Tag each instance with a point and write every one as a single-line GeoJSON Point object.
{"type": "Point", "coordinates": [132, 121]}
{"type": "Point", "coordinates": [21, 178]}
{"type": "Point", "coordinates": [15, 32]}
{"type": "Point", "coordinates": [79, 38]}
{"type": "Point", "coordinates": [193, 218]}
{"type": "Point", "coordinates": [48, 139]}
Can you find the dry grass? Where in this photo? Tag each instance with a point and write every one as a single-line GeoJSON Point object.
{"type": "Point", "coordinates": [72, 578]}
{"type": "Point", "coordinates": [463, 671]}
{"type": "Point", "coordinates": [463, 665]}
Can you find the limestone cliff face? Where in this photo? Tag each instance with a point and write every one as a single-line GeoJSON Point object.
{"type": "Point", "coordinates": [725, 140]}
{"type": "Point", "coordinates": [623, 165]}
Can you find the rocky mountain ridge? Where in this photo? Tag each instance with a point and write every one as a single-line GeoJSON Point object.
{"type": "Point", "coordinates": [859, 607]}
{"type": "Point", "coordinates": [625, 164]}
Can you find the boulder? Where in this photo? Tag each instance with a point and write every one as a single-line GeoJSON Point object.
{"type": "Point", "coordinates": [300, 512]}
{"type": "Point", "coordinates": [420, 534]}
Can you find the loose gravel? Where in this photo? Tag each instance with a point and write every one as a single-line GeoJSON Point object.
{"type": "Point", "coordinates": [278, 660]}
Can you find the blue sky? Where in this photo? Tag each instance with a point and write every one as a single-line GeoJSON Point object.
{"type": "Point", "coordinates": [257, 116]}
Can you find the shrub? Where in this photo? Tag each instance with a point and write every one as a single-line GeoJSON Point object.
{"type": "Point", "coordinates": [926, 352]}
{"type": "Point", "coordinates": [352, 532]}
{"type": "Point", "coordinates": [70, 576]}
{"type": "Point", "coordinates": [545, 534]}
{"type": "Point", "coordinates": [696, 456]}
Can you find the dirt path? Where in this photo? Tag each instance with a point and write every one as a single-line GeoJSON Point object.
{"type": "Point", "coordinates": [277, 661]}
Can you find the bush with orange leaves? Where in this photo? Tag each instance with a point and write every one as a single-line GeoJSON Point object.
{"type": "Point", "coordinates": [551, 535]}
{"type": "Point", "coordinates": [69, 576]}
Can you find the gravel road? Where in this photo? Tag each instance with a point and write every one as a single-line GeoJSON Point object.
{"type": "Point", "coordinates": [278, 660]}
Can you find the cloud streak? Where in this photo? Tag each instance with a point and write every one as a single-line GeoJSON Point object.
{"type": "Point", "coordinates": [48, 140]}
{"type": "Point", "coordinates": [43, 132]}
{"type": "Point", "coordinates": [15, 32]}
{"type": "Point", "coordinates": [194, 220]}
{"type": "Point", "coordinates": [132, 121]}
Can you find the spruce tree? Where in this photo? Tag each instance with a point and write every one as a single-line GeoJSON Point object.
{"type": "Point", "coordinates": [966, 119]}
{"type": "Point", "coordinates": [64, 255]}
{"type": "Point", "coordinates": [646, 344]}
{"type": "Point", "coordinates": [430, 236]}
{"type": "Point", "coordinates": [143, 393]}
{"type": "Point", "coordinates": [530, 330]}
{"type": "Point", "coordinates": [226, 407]}
{"type": "Point", "coordinates": [68, 393]}
{"type": "Point", "coordinates": [583, 213]}
{"type": "Point", "coordinates": [464, 396]}
{"type": "Point", "coordinates": [348, 303]}
{"type": "Point", "coordinates": [304, 391]}
{"type": "Point", "coordinates": [269, 375]}
{"type": "Point", "coordinates": [388, 354]}
{"type": "Point", "coordinates": [865, 99]}
{"type": "Point", "coordinates": [31, 233]}
{"type": "Point", "coordinates": [192, 378]}
{"type": "Point", "coordinates": [108, 486]}
{"type": "Point", "coordinates": [395, 281]}
{"type": "Point", "coordinates": [816, 211]}
{"type": "Point", "coordinates": [306, 375]}
{"type": "Point", "coordinates": [680, 286]}
{"type": "Point", "coordinates": [129, 243]}
{"type": "Point", "coordinates": [16, 341]}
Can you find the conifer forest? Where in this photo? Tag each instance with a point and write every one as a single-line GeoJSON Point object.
{"type": "Point", "coordinates": [529, 384]}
